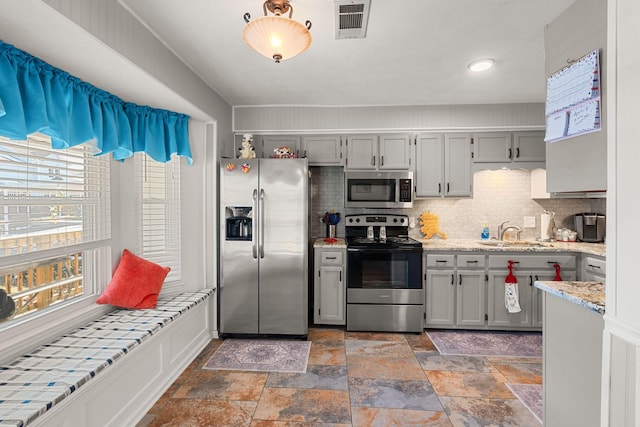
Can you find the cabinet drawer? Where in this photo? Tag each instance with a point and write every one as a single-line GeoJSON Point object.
{"type": "Point", "coordinates": [440, 260]}
{"type": "Point", "coordinates": [470, 261]}
{"type": "Point", "coordinates": [331, 258]}
{"type": "Point", "coordinates": [567, 262]}
{"type": "Point", "coordinates": [595, 265]}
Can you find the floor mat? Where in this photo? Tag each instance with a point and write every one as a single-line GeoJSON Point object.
{"type": "Point", "coordinates": [261, 355]}
{"type": "Point", "coordinates": [487, 343]}
{"type": "Point", "coordinates": [531, 396]}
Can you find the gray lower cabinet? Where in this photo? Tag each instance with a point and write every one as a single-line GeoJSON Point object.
{"type": "Point", "coordinates": [329, 294]}
{"type": "Point", "coordinates": [467, 290]}
{"type": "Point", "coordinates": [594, 268]}
{"type": "Point", "coordinates": [455, 290]}
{"type": "Point", "coordinates": [528, 269]}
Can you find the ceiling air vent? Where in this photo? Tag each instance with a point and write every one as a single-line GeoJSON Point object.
{"type": "Point", "coordinates": [351, 18]}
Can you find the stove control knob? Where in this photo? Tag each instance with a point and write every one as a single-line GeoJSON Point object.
{"type": "Point", "coordinates": [357, 219]}
{"type": "Point", "coordinates": [350, 219]}
{"type": "Point", "coordinates": [395, 219]}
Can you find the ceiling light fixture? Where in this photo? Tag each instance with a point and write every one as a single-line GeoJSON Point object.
{"type": "Point", "coordinates": [481, 65]}
{"type": "Point", "coordinates": [276, 36]}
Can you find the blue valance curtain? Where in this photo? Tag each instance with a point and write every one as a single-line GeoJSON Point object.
{"type": "Point", "coordinates": [36, 97]}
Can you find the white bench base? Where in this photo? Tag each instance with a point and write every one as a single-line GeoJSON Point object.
{"type": "Point", "coordinates": [123, 392]}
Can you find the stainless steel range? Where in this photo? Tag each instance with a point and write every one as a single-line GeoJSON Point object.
{"type": "Point", "coordinates": [384, 274]}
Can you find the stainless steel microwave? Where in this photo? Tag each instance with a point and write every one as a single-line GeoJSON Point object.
{"type": "Point", "coordinates": [378, 189]}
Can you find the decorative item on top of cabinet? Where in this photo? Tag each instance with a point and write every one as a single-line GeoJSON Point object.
{"type": "Point", "coordinates": [378, 152]}
{"type": "Point", "coordinates": [323, 150]}
{"type": "Point", "coordinates": [443, 165]}
{"type": "Point", "coordinates": [329, 294]}
{"type": "Point", "coordinates": [495, 150]}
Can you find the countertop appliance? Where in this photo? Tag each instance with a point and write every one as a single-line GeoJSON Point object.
{"type": "Point", "coordinates": [263, 247]}
{"type": "Point", "coordinates": [378, 189]}
{"type": "Point", "coordinates": [591, 227]}
{"type": "Point", "coordinates": [384, 274]}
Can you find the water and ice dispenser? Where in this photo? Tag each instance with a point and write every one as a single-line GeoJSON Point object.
{"type": "Point", "coordinates": [239, 223]}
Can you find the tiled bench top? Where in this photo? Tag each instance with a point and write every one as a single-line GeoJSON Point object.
{"type": "Point", "coordinates": [35, 382]}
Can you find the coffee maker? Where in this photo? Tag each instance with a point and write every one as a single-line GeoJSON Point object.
{"type": "Point", "coordinates": [590, 227]}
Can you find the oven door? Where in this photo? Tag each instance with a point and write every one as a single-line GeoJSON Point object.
{"type": "Point", "coordinates": [384, 276]}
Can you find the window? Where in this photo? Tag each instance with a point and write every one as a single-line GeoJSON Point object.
{"type": "Point", "coordinates": [54, 218]}
{"type": "Point", "coordinates": [159, 213]}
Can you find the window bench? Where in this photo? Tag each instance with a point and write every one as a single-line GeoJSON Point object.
{"type": "Point", "coordinates": [109, 372]}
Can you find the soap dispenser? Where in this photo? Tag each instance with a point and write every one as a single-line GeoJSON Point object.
{"type": "Point", "coordinates": [485, 231]}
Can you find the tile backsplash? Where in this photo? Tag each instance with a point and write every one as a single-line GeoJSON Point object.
{"type": "Point", "coordinates": [498, 196]}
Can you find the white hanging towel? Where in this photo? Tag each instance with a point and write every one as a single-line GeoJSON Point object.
{"type": "Point", "coordinates": [511, 299]}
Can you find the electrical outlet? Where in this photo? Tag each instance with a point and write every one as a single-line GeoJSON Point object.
{"type": "Point", "coordinates": [529, 222]}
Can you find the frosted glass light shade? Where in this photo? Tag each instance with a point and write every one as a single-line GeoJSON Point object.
{"type": "Point", "coordinates": [277, 37]}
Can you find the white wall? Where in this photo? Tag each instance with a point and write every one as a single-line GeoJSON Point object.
{"type": "Point", "coordinates": [283, 119]}
{"type": "Point", "coordinates": [621, 352]}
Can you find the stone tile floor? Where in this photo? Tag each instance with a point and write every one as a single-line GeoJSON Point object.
{"type": "Point", "coordinates": [354, 379]}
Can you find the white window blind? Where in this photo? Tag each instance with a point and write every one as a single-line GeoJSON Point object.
{"type": "Point", "coordinates": [51, 198]}
{"type": "Point", "coordinates": [159, 213]}
{"type": "Point", "coordinates": [54, 213]}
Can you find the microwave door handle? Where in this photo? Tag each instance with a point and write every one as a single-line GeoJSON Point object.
{"type": "Point", "coordinates": [261, 212]}
{"type": "Point", "coordinates": [254, 237]}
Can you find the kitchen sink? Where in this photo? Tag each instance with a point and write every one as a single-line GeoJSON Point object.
{"type": "Point", "coordinates": [510, 243]}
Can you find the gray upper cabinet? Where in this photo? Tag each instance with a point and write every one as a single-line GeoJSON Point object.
{"type": "Point", "coordinates": [578, 164]}
{"type": "Point", "coordinates": [395, 151]}
{"type": "Point", "coordinates": [529, 147]}
{"type": "Point", "coordinates": [493, 150]}
{"type": "Point", "coordinates": [362, 152]}
{"type": "Point", "coordinates": [323, 150]}
{"type": "Point", "coordinates": [373, 152]}
{"type": "Point", "coordinates": [443, 165]}
{"type": "Point", "coordinates": [492, 147]}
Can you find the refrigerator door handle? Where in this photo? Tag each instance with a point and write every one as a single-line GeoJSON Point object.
{"type": "Point", "coordinates": [254, 238]}
{"type": "Point", "coordinates": [261, 233]}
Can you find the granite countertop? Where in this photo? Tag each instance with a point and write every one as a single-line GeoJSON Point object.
{"type": "Point", "coordinates": [587, 294]}
{"type": "Point", "coordinates": [339, 243]}
{"type": "Point", "coordinates": [598, 249]}
{"type": "Point", "coordinates": [474, 245]}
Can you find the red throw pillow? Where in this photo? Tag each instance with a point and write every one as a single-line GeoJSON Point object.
{"type": "Point", "coordinates": [136, 283]}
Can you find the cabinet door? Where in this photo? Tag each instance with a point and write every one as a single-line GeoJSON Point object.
{"type": "Point", "coordinates": [499, 316]}
{"type": "Point", "coordinates": [429, 164]}
{"type": "Point", "coordinates": [470, 298]}
{"type": "Point", "coordinates": [440, 298]}
{"type": "Point", "coordinates": [537, 294]}
{"type": "Point", "coordinates": [457, 165]}
{"type": "Point", "coordinates": [362, 152]}
{"type": "Point", "coordinates": [270, 143]}
{"type": "Point", "coordinates": [329, 296]}
{"type": "Point", "coordinates": [492, 147]}
{"type": "Point", "coordinates": [395, 151]}
{"type": "Point", "coordinates": [529, 147]}
{"type": "Point", "coordinates": [323, 150]}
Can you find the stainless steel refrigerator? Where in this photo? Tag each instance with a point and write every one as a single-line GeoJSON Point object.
{"type": "Point", "coordinates": [263, 246]}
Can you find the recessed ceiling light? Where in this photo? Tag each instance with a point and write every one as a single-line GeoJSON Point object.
{"type": "Point", "coordinates": [481, 64]}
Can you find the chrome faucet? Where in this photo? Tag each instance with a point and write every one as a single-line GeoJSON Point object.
{"type": "Point", "coordinates": [502, 230]}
